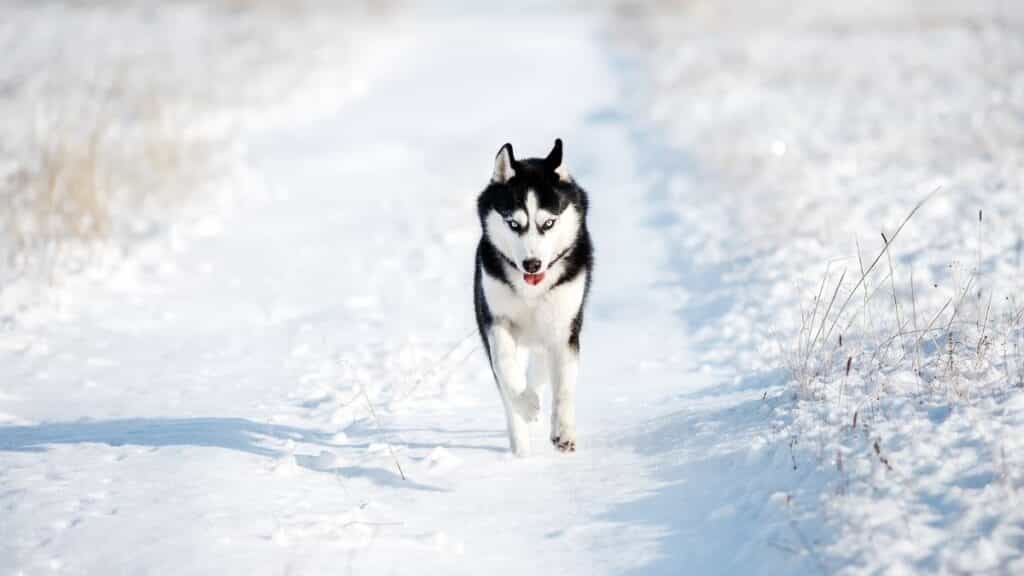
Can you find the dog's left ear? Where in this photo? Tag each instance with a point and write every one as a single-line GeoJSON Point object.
{"type": "Point", "coordinates": [554, 161]}
{"type": "Point", "coordinates": [504, 165]}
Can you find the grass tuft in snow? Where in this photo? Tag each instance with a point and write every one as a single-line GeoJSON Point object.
{"type": "Point", "coordinates": [110, 173]}
{"type": "Point", "coordinates": [889, 342]}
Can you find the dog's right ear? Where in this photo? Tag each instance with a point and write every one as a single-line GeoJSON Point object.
{"type": "Point", "coordinates": [504, 165]}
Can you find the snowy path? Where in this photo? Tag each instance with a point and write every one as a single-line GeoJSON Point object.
{"type": "Point", "coordinates": [214, 421]}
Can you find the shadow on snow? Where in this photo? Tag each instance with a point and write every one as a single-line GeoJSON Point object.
{"type": "Point", "coordinates": [238, 434]}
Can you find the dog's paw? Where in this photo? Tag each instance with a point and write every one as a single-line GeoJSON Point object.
{"type": "Point", "coordinates": [564, 444]}
{"type": "Point", "coordinates": [528, 405]}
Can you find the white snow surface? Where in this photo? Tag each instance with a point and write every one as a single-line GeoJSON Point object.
{"type": "Point", "coordinates": [302, 390]}
{"type": "Point", "coordinates": [811, 131]}
{"type": "Point", "coordinates": [151, 105]}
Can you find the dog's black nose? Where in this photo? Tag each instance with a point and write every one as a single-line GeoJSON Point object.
{"type": "Point", "coordinates": [531, 265]}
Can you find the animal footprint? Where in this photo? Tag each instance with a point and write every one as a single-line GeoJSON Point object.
{"type": "Point", "coordinates": [528, 405]}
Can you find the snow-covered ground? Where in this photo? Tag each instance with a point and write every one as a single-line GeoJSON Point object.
{"type": "Point", "coordinates": [125, 125]}
{"type": "Point", "coordinates": [811, 132]}
{"type": "Point", "coordinates": [299, 388]}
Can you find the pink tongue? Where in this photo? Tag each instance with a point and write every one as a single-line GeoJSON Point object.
{"type": "Point", "coordinates": [533, 279]}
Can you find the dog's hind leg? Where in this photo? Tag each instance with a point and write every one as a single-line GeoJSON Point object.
{"type": "Point", "coordinates": [564, 371]}
{"type": "Point", "coordinates": [522, 404]}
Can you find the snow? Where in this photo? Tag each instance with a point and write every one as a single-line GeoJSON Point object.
{"type": "Point", "coordinates": [146, 88]}
{"type": "Point", "coordinates": [296, 384]}
{"type": "Point", "coordinates": [810, 133]}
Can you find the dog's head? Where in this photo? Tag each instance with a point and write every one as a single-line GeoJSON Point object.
{"type": "Point", "coordinates": [532, 211]}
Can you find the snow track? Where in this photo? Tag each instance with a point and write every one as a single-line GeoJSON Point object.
{"type": "Point", "coordinates": [217, 419]}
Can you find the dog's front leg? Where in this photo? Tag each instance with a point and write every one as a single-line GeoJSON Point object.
{"type": "Point", "coordinates": [563, 406]}
{"type": "Point", "coordinates": [522, 404]}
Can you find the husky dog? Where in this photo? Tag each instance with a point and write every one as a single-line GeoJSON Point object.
{"type": "Point", "coordinates": [533, 269]}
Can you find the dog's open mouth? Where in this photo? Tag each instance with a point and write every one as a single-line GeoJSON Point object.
{"type": "Point", "coordinates": [533, 279]}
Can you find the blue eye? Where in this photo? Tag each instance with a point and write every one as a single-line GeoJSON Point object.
{"type": "Point", "coordinates": [514, 225]}
{"type": "Point", "coordinates": [548, 224]}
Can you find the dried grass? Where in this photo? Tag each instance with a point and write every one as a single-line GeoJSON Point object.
{"type": "Point", "coordinates": [95, 177]}
{"type": "Point", "coordinates": [957, 352]}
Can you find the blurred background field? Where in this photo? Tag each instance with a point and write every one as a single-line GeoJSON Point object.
{"type": "Point", "coordinates": [123, 120]}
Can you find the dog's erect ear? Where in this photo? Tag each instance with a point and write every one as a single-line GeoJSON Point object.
{"type": "Point", "coordinates": [554, 161]}
{"type": "Point", "coordinates": [504, 165]}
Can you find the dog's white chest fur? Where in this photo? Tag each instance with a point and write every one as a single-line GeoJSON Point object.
{"type": "Point", "coordinates": [537, 316]}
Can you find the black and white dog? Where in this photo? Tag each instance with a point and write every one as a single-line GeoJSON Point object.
{"type": "Point", "coordinates": [533, 269]}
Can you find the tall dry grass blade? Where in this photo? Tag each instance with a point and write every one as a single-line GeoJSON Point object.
{"type": "Point", "coordinates": [874, 263]}
{"type": "Point", "coordinates": [824, 318]}
{"type": "Point", "coordinates": [960, 301]}
{"type": "Point", "coordinates": [892, 283]}
{"type": "Point", "coordinates": [376, 421]}
{"type": "Point", "coordinates": [871, 297]}
{"type": "Point", "coordinates": [435, 368]}
{"type": "Point", "coordinates": [817, 299]}
{"type": "Point", "coordinates": [927, 330]}
{"type": "Point", "coordinates": [984, 327]}
{"type": "Point", "coordinates": [913, 309]}
{"type": "Point", "coordinates": [868, 323]}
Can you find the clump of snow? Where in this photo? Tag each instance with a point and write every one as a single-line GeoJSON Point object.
{"type": "Point", "coordinates": [442, 461]}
